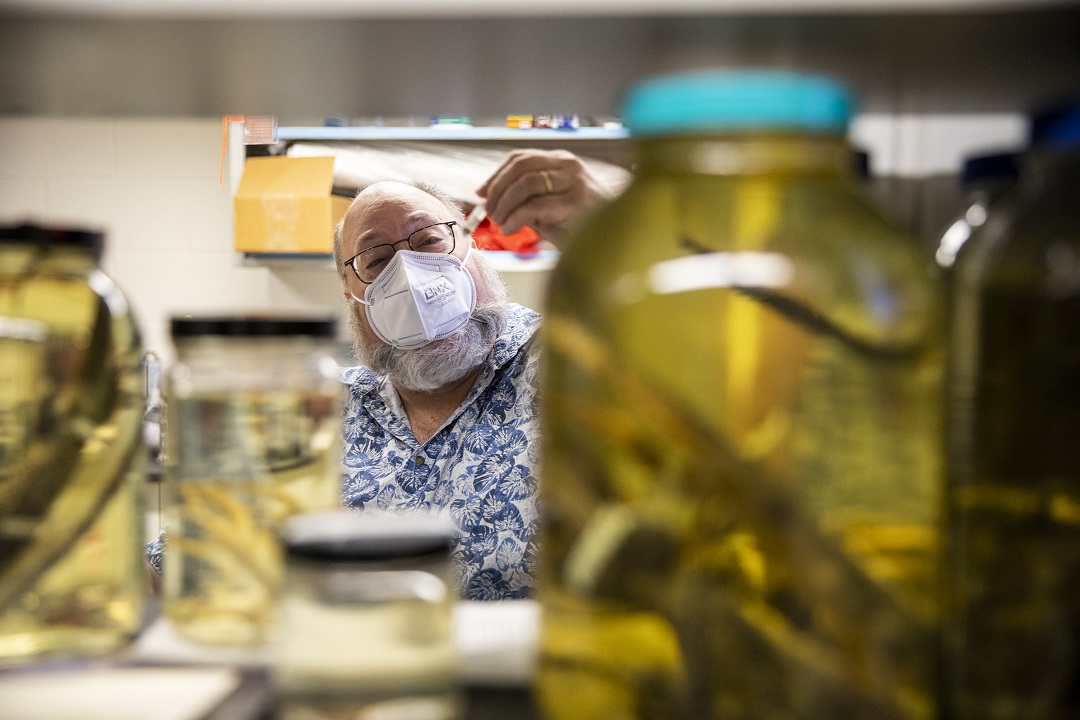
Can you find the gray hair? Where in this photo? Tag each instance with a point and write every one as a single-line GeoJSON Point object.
{"type": "Point", "coordinates": [432, 190]}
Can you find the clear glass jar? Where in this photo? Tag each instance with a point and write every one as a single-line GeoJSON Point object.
{"type": "Point", "coordinates": [1014, 424]}
{"type": "Point", "coordinates": [741, 417]}
{"type": "Point", "coordinates": [71, 456]}
{"type": "Point", "coordinates": [252, 437]}
{"type": "Point", "coordinates": [366, 623]}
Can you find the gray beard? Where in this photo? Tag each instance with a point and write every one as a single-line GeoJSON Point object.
{"type": "Point", "coordinates": [451, 358]}
{"type": "Point", "coordinates": [442, 362]}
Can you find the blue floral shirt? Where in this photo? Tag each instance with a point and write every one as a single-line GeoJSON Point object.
{"type": "Point", "coordinates": [481, 466]}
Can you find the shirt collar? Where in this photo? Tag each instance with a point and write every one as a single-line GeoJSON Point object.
{"type": "Point", "coordinates": [520, 326]}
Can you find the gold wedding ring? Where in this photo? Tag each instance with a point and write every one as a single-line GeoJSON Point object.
{"type": "Point", "coordinates": [547, 181]}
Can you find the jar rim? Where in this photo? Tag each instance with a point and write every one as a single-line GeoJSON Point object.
{"type": "Point", "coordinates": [253, 325]}
{"type": "Point", "coordinates": [350, 536]}
{"type": "Point", "coordinates": [53, 236]}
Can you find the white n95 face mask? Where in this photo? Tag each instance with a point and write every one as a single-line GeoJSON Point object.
{"type": "Point", "coordinates": [419, 298]}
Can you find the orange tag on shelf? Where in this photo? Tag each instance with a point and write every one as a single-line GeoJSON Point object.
{"type": "Point", "coordinates": [225, 120]}
{"type": "Point", "coordinates": [258, 130]}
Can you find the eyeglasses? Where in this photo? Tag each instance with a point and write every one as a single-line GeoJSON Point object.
{"type": "Point", "coordinates": [437, 238]}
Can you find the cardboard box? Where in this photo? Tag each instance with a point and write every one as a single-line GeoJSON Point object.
{"type": "Point", "coordinates": [284, 205]}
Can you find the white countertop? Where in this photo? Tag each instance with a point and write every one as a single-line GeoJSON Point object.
{"type": "Point", "coordinates": [496, 644]}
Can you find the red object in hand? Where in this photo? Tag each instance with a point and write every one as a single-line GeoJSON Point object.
{"type": "Point", "coordinates": [488, 237]}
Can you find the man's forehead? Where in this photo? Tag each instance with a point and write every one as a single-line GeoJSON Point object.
{"type": "Point", "coordinates": [391, 214]}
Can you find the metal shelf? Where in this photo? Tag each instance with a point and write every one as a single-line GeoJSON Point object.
{"type": "Point", "coordinates": [497, 8]}
{"type": "Point", "coordinates": [509, 262]}
{"type": "Point", "coordinates": [449, 133]}
{"type": "Point", "coordinates": [502, 260]}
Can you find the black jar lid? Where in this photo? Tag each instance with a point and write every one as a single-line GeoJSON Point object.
{"type": "Point", "coordinates": [1003, 167]}
{"type": "Point", "coordinates": [253, 325]}
{"type": "Point", "coordinates": [53, 236]}
{"type": "Point", "coordinates": [344, 536]}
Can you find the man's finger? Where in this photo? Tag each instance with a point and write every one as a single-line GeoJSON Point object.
{"type": "Point", "coordinates": [545, 214]}
{"type": "Point", "coordinates": [523, 188]}
{"type": "Point", "coordinates": [523, 163]}
{"type": "Point", "coordinates": [511, 159]}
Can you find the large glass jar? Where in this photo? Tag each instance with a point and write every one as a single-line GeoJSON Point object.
{"type": "Point", "coordinates": [71, 457]}
{"type": "Point", "coordinates": [252, 437]}
{"type": "Point", "coordinates": [1014, 427]}
{"type": "Point", "coordinates": [741, 462]}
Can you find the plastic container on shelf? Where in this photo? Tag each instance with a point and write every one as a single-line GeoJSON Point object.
{"type": "Point", "coordinates": [1014, 420]}
{"type": "Point", "coordinates": [741, 416]}
{"type": "Point", "coordinates": [72, 464]}
{"type": "Point", "coordinates": [252, 437]}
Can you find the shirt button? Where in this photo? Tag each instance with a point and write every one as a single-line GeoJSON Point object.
{"type": "Point", "coordinates": [420, 460]}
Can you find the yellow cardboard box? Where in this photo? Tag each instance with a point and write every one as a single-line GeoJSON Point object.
{"type": "Point", "coordinates": [284, 205]}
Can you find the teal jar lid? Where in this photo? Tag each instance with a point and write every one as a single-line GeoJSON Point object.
{"type": "Point", "coordinates": [709, 101]}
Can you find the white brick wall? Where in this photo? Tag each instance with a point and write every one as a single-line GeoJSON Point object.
{"type": "Point", "coordinates": [152, 186]}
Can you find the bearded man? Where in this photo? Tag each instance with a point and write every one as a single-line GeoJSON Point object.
{"type": "Point", "coordinates": [441, 412]}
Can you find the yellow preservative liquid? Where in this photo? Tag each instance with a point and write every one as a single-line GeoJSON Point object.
{"type": "Point", "coordinates": [741, 491]}
{"type": "Point", "coordinates": [71, 454]}
{"type": "Point", "coordinates": [253, 437]}
{"type": "Point", "coordinates": [1014, 461]}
